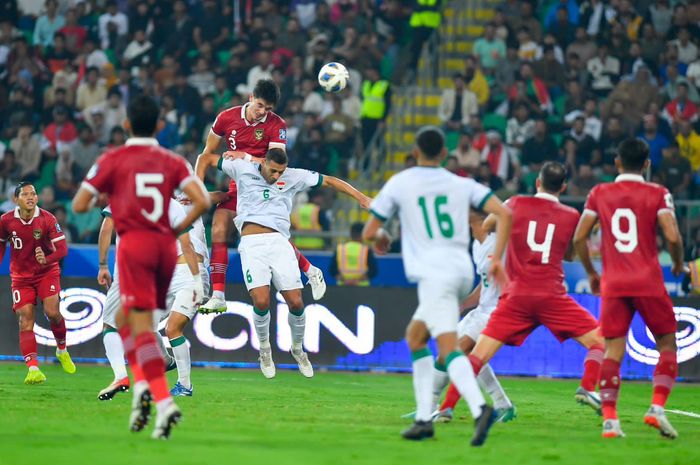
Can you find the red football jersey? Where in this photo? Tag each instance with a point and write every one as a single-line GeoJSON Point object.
{"type": "Point", "coordinates": [254, 138]}
{"type": "Point", "coordinates": [541, 234]}
{"type": "Point", "coordinates": [41, 231]}
{"type": "Point", "coordinates": [627, 210]}
{"type": "Point", "coordinates": [140, 179]}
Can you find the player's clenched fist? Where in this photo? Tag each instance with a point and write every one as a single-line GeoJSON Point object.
{"type": "Point", "coordinates": [39, 255]}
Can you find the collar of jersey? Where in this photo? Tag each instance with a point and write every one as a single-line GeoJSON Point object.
{"type": "Point", "coordinates": [247, 123]}
{"type": "Point", "coordinates": [546, 196]}
{"type": "Point", "coordinates": [141, 141]}
{"type": "Point", "coordinates": [629, 177]}
{"type": "Point", "coordinates": [36, 213]}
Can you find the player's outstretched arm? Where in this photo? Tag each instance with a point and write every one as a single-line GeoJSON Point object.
{"type": "Point", "coordinates": [204, 162]}
{"type": "Point", "coordinates": [669, 228]}
{"type": "Point", "coordinates": [472, 300]}
{"type": "Point", "coordinates": [504, 223]}
{"type": "Point", "coordinates": [583, 230]}
{"type": "Point", "coordinates": [104, 240]}
{"type": "Point", "coordinates": [339, 185]}
{"type": "Point", "coordinates": [84, 200]}
{"type": "Point", "coordinates": [192, 264]}
{"type": "Point", "coordinates": [199, 197]}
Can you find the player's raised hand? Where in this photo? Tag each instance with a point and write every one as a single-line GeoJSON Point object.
{"type": "Point", "coordinates": [382, 242]}
{"type": "Point", "coordinates": [365, 201]}
{"type": "Point", "coordinates": [594, 281]}
{"type": "Point", "coordinates": [679, 269]}
{"type": "Point", "coordinates": [39, 255]}
{"type": "Point", "coordinates": [104, 277]}
{"type": "Point", "coordinates": [233, 154]}
{"type": "Point", "coordinates": [497, 273]}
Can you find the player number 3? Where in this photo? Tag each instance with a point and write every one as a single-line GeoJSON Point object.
{"type": "Point", "coordinates": [144, 190]}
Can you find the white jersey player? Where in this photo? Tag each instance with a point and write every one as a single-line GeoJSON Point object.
{"type": "Point", "coordinates": [265, 194]}
{"type": "Point", "coordinates": [433, 207]}
{"type": "Point", "coordinates": [111, 314]}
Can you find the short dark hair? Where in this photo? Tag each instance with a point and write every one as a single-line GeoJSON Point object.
{"type": "Point", "coordinates": [356, 229]}
{"type": "Point", "coordinates": [143, 115]}
{"type": "Point", "coordinates": [18, 187]}
{"type": "Point", "coordinates": [633, 153]}
{"type": "Point", "coordinates": [278, 156]}
{"type": "Point", "coordinates": [430, 141]}
{"type": "Point", "coordinates": [553, 176]}
{"type": "Point", "coordinates": [267, 90]}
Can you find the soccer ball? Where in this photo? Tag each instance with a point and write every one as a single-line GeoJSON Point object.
{"type": "Point", "coordinates": [333, 77]}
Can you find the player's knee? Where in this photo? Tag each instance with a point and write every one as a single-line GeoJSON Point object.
{"type": "Point", "coordinates": [296, 304]}
{"type": "Point", "coordinates": [26, 323]}
{"type": "Point", "coordinates": [172, 332]}
{"type": "Point", "coordinates": [261, 302]}
{"type": "Point", "coordinates": [666, 343]}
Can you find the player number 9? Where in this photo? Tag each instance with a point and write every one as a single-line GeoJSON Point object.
{"type": "Point", "coordinates": [626, 241]}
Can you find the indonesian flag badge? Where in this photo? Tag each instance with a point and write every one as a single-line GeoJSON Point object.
{"type": "Point", "coordinates": [281, 184]}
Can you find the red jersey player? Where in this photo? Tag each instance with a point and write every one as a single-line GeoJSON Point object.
{"type": "Point", "coordinates": [252, 128]}
{"type": "Point", "coordinates": [140, 179]}
{"type": "Point", "coordinates": [540, 239]}
{"type": "Point", "coordinates": [629, 211]}
{"type": "Point", "coordinates": [37, 244]}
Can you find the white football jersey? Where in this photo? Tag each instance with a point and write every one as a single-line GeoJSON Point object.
{"type": "Point", "coordinates": [482, 253]}
{"type": "Point", "coordinates": [266, 204]}
{"type": "Point", "coordinates": [177, 213]}
{"type": "Point", "coordinates": [433, 207]}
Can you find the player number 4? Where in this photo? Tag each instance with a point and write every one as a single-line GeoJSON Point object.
{"type": "Point", "coordinates": [543, 247]}
{"type": "Point", "coordinates": [144, 190]}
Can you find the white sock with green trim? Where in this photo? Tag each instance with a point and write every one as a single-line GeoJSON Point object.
{"type": "Point", "coordinates": [114, 349]}
{"type": "Point", "coordinates": [423, 375]}
{"type": "Point", "coordinates": [462, 375]}
{"type": "Point", "coordinates": [261, 318]}
{"type": "Point", "coordinates": [181, 352]}
{"type": "Point", "coordinates": [440, 381]}
{"type": "Point", "coordinates": [297, 325]}
{"type": "Point", "coordinates": [489, 382]}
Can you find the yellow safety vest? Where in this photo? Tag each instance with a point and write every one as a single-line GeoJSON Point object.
{"type": "Point", "coordinates": [427, 14]}
{"type": "Point", "coordinates": [305, 218]}
{"type": "Point", "coordinates": [373, 105]}
{"type": "Point", "coordinates": [695, 276]}
{"type": "Point", "coordinates": [352, 264]}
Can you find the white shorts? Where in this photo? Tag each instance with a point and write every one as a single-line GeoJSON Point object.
{"type": "Point", "coordinates": [438, 303]}
{"type": "Point", "coordinates": [474, 322]}
{"type": "Point", "coordinates": [182, 281]}
{"type": "Point", "coordinates": [269, 258]}
{"type": "Point", "coordinates": [113, 301]}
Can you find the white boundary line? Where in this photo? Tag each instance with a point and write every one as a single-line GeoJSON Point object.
{"type": "Point", "coordinates": [683, 412]}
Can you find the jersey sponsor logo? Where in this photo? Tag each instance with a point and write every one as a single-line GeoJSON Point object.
{"type": "Point", "coordinates": [283, 134]}
{"type": "Point", "coordinates": [642, 347]}
{"type": "Point", "coordinates": [281, 184]}
{"type": "Point", "coordinates": [259, 134]}
{"type": "Point", "coordinates": [36, 233]}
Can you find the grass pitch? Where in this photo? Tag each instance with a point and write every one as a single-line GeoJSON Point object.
{"type": "Point", "coordinates": [238, 417]}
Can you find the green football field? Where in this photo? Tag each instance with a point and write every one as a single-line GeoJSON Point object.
{"type": "Point", "coordinates": [238, 417]}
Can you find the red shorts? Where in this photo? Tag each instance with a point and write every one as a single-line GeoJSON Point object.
{"type": "Point", "coordinates": [146, 264]}
{"type": "Point", "coordinates": [515, 317]}
{"type": "Point", "coordinates": [232, 201]}
{"type": "Point", "coordinates": [26, 290]}
{"type": "Point", "coordinates": [657, 312]}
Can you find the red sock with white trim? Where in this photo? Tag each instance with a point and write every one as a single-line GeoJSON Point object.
{"type": "Point", "coordinates": [664, 377]}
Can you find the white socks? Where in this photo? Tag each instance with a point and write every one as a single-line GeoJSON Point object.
{"type": "Point", "coordinates": [297, 324]}
{"type": "Point", "coordinates": [489, 383]}
{"type": "Point", "coordinates": [440, 381]}
{"type": "Point", "coordinates": [423, 376]}
{"type": "Point", "coordinates": [261, 318]}
{"type": "Point", "coordinates": [181, 352]}
{"type": "Point", "coordinates": [218, 295]}
{"type": "Point", "coordinates": [462, 375]}
{"type": "Point", "coordinates": [114, 349]}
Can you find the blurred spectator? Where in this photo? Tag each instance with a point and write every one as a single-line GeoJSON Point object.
{"type": "Point", "coordinates": [530, 91]}
{"type": "Point", "coordinates": [689, 145]}
{"type": "Point", "coordinates": [139, 50]}
{"type": "Point", "coordinates": [476, 81]}
{"type": "Point", "coordinates": [48, 24]}
{"type": "Point", "coordinates": [310, 218]}
{"type": "Point", "coordinates": [91, 91]}
{"type": "Point", "coordinates": [47, 198]}
{"type": "Point", "coordinates": [550, 71]}
{"type": "Point", "coordinates": [592, 124]}
{"type": "Point", "coordinates": [376, 103]}
{"type": "Point", "coordinates": [520, 128]}
{"type": "Point", "coordinates": [339, 129]}
{"type": "Point", "coordinates": [486, 177]}
{"type": "Point", "coordinates": [562, 28]}
{"type": "Point", "coordinates": [141, 18]}
{"type": "Point", "coordinates": [202, 78]}
{"type": "Point", "coordinates": [681, 108]}
{"type": "Point", "coordinates": [96, 122]}
{"type": "Point", "coordinates": [353, 263]}
{"type": "Point", "coordinates": [582, 46]}
{"type": "Point", "coordinates": [527, 50]}
{"type": "Point", "coordinates": [675, 171]}
{"type": "Point", "coordinates": [587, 150]}
{"type": "Point", "coordinates": [628, 18]}
{"type": "Point", "coordinates": [595, 16]}
{"type": "Point", "coordinates": [263, 70]}
{"type": "Point", "coordinates": [94, 57]}
{"type": "Point", "coordinates": [656, 141]}
{"type": "Point", "coordinates": [113, 110]}
{"type": "Point", "coordinates": [113, 25]}
{"type": "Point", "coordinates": [117, 138]}
{"type": "Point", "coordinates": [652, 47]}
{"type": "Point", "coordinates": [293, 37]}
{"type": "Point", "coordinates": [613, 135]}
{"type": "Point", "coordinates": [69, 229]}
{"type": "Point", "coordinates": [57, 56]}
{"type": "Point", "coordinates": [660, 17]}
{"type": "Point", "coordinates": [452, 165]}
{"type": "Point", "coordinates": [501, 158]}
{"type": "Point", "coordinates": [506, 69]}
{"type": "Point", "coordinates": [186, 98]}
{"type": "Point", "coordinates": [74, 33]}
{"type": "Point", "coordinates": [490, 49]}
{"type": "Point", "coordinates": [27, 154]}
{"type": "Point", "coordinates": [635, 95]}
{"type": "Point", "coordinates": [468, 158]}
{"type": "Point", "coordinates": [539, 148]}
{"type": "Point", "coordinates": [693, 73]}
{"type": "Point", "coordinates": [313, 102]}
{"type": "Point", "coordinates": [314, 153]}
{"type": "Point", "coordinates": [527, 21]}
{"type": "Point", "coordinates": [583, 181]}
{"type": "Point", "coordinates": [85, 150]}
{"type": "Point", "coordinates": [61, 93]}
{"type": "Point", "coordinates": [10, 172]}
{"type": "Point", "coordinates": [61, 132]}
{"type": "Point", "coordinates": [67, 174]}
{"type": "Point", "coordinates": [687, 50]}
{"type": "Point", "coordinates": [604, 71]}
{"type": "Point", "coordinates": [425, 19]}
{"type": "Point", "coordinates": [178, 31]}
{"type": "Point", "coordinates": [457, 105]}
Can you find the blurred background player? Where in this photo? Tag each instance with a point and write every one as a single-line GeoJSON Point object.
{"type": "Point", "coordinates": [253, 129]}
{"type": "Point", "coordinates": [38, 244]}
{"type": "Point", "coordinates": [433, 207]}
{"type": "Point", "coordinates": [265, 192]}
{"type": "Point", "coordinates": [140, 179]}
{"type": "Point", "coordinates": [629, 211]}
{"type": "Point", "coordinates": [353, 263]}
{"type": "Point", "coordinates": [541, 239]}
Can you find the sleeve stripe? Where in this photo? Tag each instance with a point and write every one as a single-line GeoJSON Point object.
{"type": "Point", "coordinates": [380, 217]}
{"type": "Point", "coordinates": [59, 238]}
{"type": "Point", "coordinates": [666, 210]}
{"type": "Point", "coordinates": [106, 214]}
{"type": "Point", "coordinates": [277, 145]}
{"type": "Point", "coordinates": [211, 131]}
{"type": "Point", "coordinates": [320, 180]}
{"type": "Point", "coordinates": [188, 180]}
{"type": "Point", "coordinates": [186, 230]}
{"type": "Point", "coordinates": [220, 164]}
{"type": "Point", "coordinates": [590, 212]}
{"type": "Point", "coordinates": [484, 200]}
{"type": "Point", "coordinates": [87, 186]}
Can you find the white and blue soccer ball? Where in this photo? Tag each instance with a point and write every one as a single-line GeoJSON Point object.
{"type": "Point", "coordinates": [333, 77]}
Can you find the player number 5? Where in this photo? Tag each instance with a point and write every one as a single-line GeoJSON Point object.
{"type": "Point", "coordinates": [626, 241]}
{"type": "Point", "coordinates": [543, 247]}
{"type": "Point", "coordinates": [144, 190]}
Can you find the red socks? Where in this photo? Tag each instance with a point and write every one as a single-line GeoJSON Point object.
{"type": "Point", "coordinates": [451, 398]}
{"type": "Point", "coordinates": [150, 360]}
{"type": "Point", "coordinates": [304, 264]}
{"type": "Point", "coordinates": [219, 265]}
{"type": "Point", "coordinates": [477, 363]}
{"type": "Point", "coordinates": [591, 367]}
{"type": "Point", "coordinates": [27, 345]}
{"type": "Point", "coordinates": [664, 376]}
{"type": "Point", "coordinates": [59, 333]}
{"type": "Point", "coordinates": [130, 353]}
{"type": "Point", "coordinates": [609, 387]}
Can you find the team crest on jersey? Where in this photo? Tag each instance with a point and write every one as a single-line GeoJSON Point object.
{"type": "Point", "coordinates": [37, 233]}
{"type": "Point", "coordinates": [259, 134]}
{"type": "Point", "coordinates": [281, 184]}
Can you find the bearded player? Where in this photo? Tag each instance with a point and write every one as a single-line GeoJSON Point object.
{"type": "Point", "coordinates": [252, 128]}
{"type": "Point", "coordinates": [37, 244]}
{"type": "Point", "coordinates": [630, 211]}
